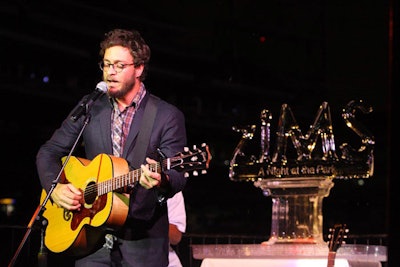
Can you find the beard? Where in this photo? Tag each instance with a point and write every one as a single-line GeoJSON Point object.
{"type": "Point", "coordinates": [125, 89]}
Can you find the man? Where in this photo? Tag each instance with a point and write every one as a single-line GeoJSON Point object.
{"type": "Point", "coordinates": [114, 125]}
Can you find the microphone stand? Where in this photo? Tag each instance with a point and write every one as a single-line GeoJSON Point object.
{"type": "Point", "coordinates": [37, 216]}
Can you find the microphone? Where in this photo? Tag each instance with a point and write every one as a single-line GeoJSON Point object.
{"type": "Point", "coordinates": [86, 104]}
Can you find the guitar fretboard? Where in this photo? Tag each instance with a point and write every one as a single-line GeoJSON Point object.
{"type": "Point", "coordinates": [120, 181]}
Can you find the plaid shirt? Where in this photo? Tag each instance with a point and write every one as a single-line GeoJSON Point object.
{"type": "Point", "coordinates": [127, 115]}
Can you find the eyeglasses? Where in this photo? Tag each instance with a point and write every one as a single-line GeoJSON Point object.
{"type": "Point", "coordinates": [118, 67]}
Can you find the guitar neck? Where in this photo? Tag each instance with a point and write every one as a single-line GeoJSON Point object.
{"type": "Point", "coordinates": [183, 161]}
{"type": "Point", "coordinates": [121, 181]}
{"type": "Point", "coordinates": [331, 258]}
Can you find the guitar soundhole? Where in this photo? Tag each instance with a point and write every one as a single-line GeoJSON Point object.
{"type": "Point", "coordinates": [90, 193]}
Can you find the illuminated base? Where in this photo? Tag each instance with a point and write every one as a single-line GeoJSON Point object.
{"type": "Point", "coordinates": [259, 251]}
{"type": "Point", "coordinates": [365, 253]}
{"type": "Point", "coordinates": [296, 209]}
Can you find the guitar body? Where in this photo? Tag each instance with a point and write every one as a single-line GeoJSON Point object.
{"type": "Point", "coordinates": [80, 232]}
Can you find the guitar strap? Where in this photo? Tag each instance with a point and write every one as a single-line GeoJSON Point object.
{"type": "Point", "coordinates": [139, 151]}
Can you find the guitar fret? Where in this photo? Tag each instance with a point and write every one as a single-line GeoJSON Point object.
{"type": "Point", "coordinates": [128, 178]}
{"type": "Point", "coordinates": [135, 176]}
{"type": "Point", "coordinates": [115, 183]}
{"type": "Point", "coordinates": [125, 180]}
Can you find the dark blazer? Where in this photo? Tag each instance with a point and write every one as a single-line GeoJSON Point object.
{"type": "Point", "coordinates": [147, 215]}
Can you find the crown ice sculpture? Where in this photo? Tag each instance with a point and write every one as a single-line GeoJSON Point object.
{"type": "Point", "coordinates": [298, 185]}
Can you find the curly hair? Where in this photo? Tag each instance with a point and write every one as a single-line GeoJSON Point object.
{"type": "Point", "coordinates": [132, 40]}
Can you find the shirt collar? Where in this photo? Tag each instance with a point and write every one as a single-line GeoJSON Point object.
{"type": "Point", "coordinates": [136, 100]}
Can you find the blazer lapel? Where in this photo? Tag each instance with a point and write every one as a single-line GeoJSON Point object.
{"type": "Point", "coordinates": [105, 129]}
{"type": "Point", "coordinates": [135, 126]}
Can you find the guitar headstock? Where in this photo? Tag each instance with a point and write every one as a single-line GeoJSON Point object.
{"type": "Point", "coordinates": [336, 236]}
{"type": "Point", "coordinates": [195, 159]}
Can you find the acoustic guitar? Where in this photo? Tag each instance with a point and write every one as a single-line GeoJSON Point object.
{"type": "Point", "coordinates": [336, 236]}
{"type": "Point", "coordinates": [79, 232]}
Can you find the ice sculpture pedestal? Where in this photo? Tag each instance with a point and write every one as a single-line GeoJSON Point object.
{"type": "Point", "coordinates": [296, 230]}
{"type": "Point", "coordinates": [296, 208]}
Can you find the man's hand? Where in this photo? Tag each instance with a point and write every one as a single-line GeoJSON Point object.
{"type": "Point", "coordinates": [67, 196]}
{"type": "Point", "coordinates": [149, 179]}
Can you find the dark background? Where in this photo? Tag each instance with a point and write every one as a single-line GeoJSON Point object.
{"type": "Point", "coordinates": [221, 62]}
